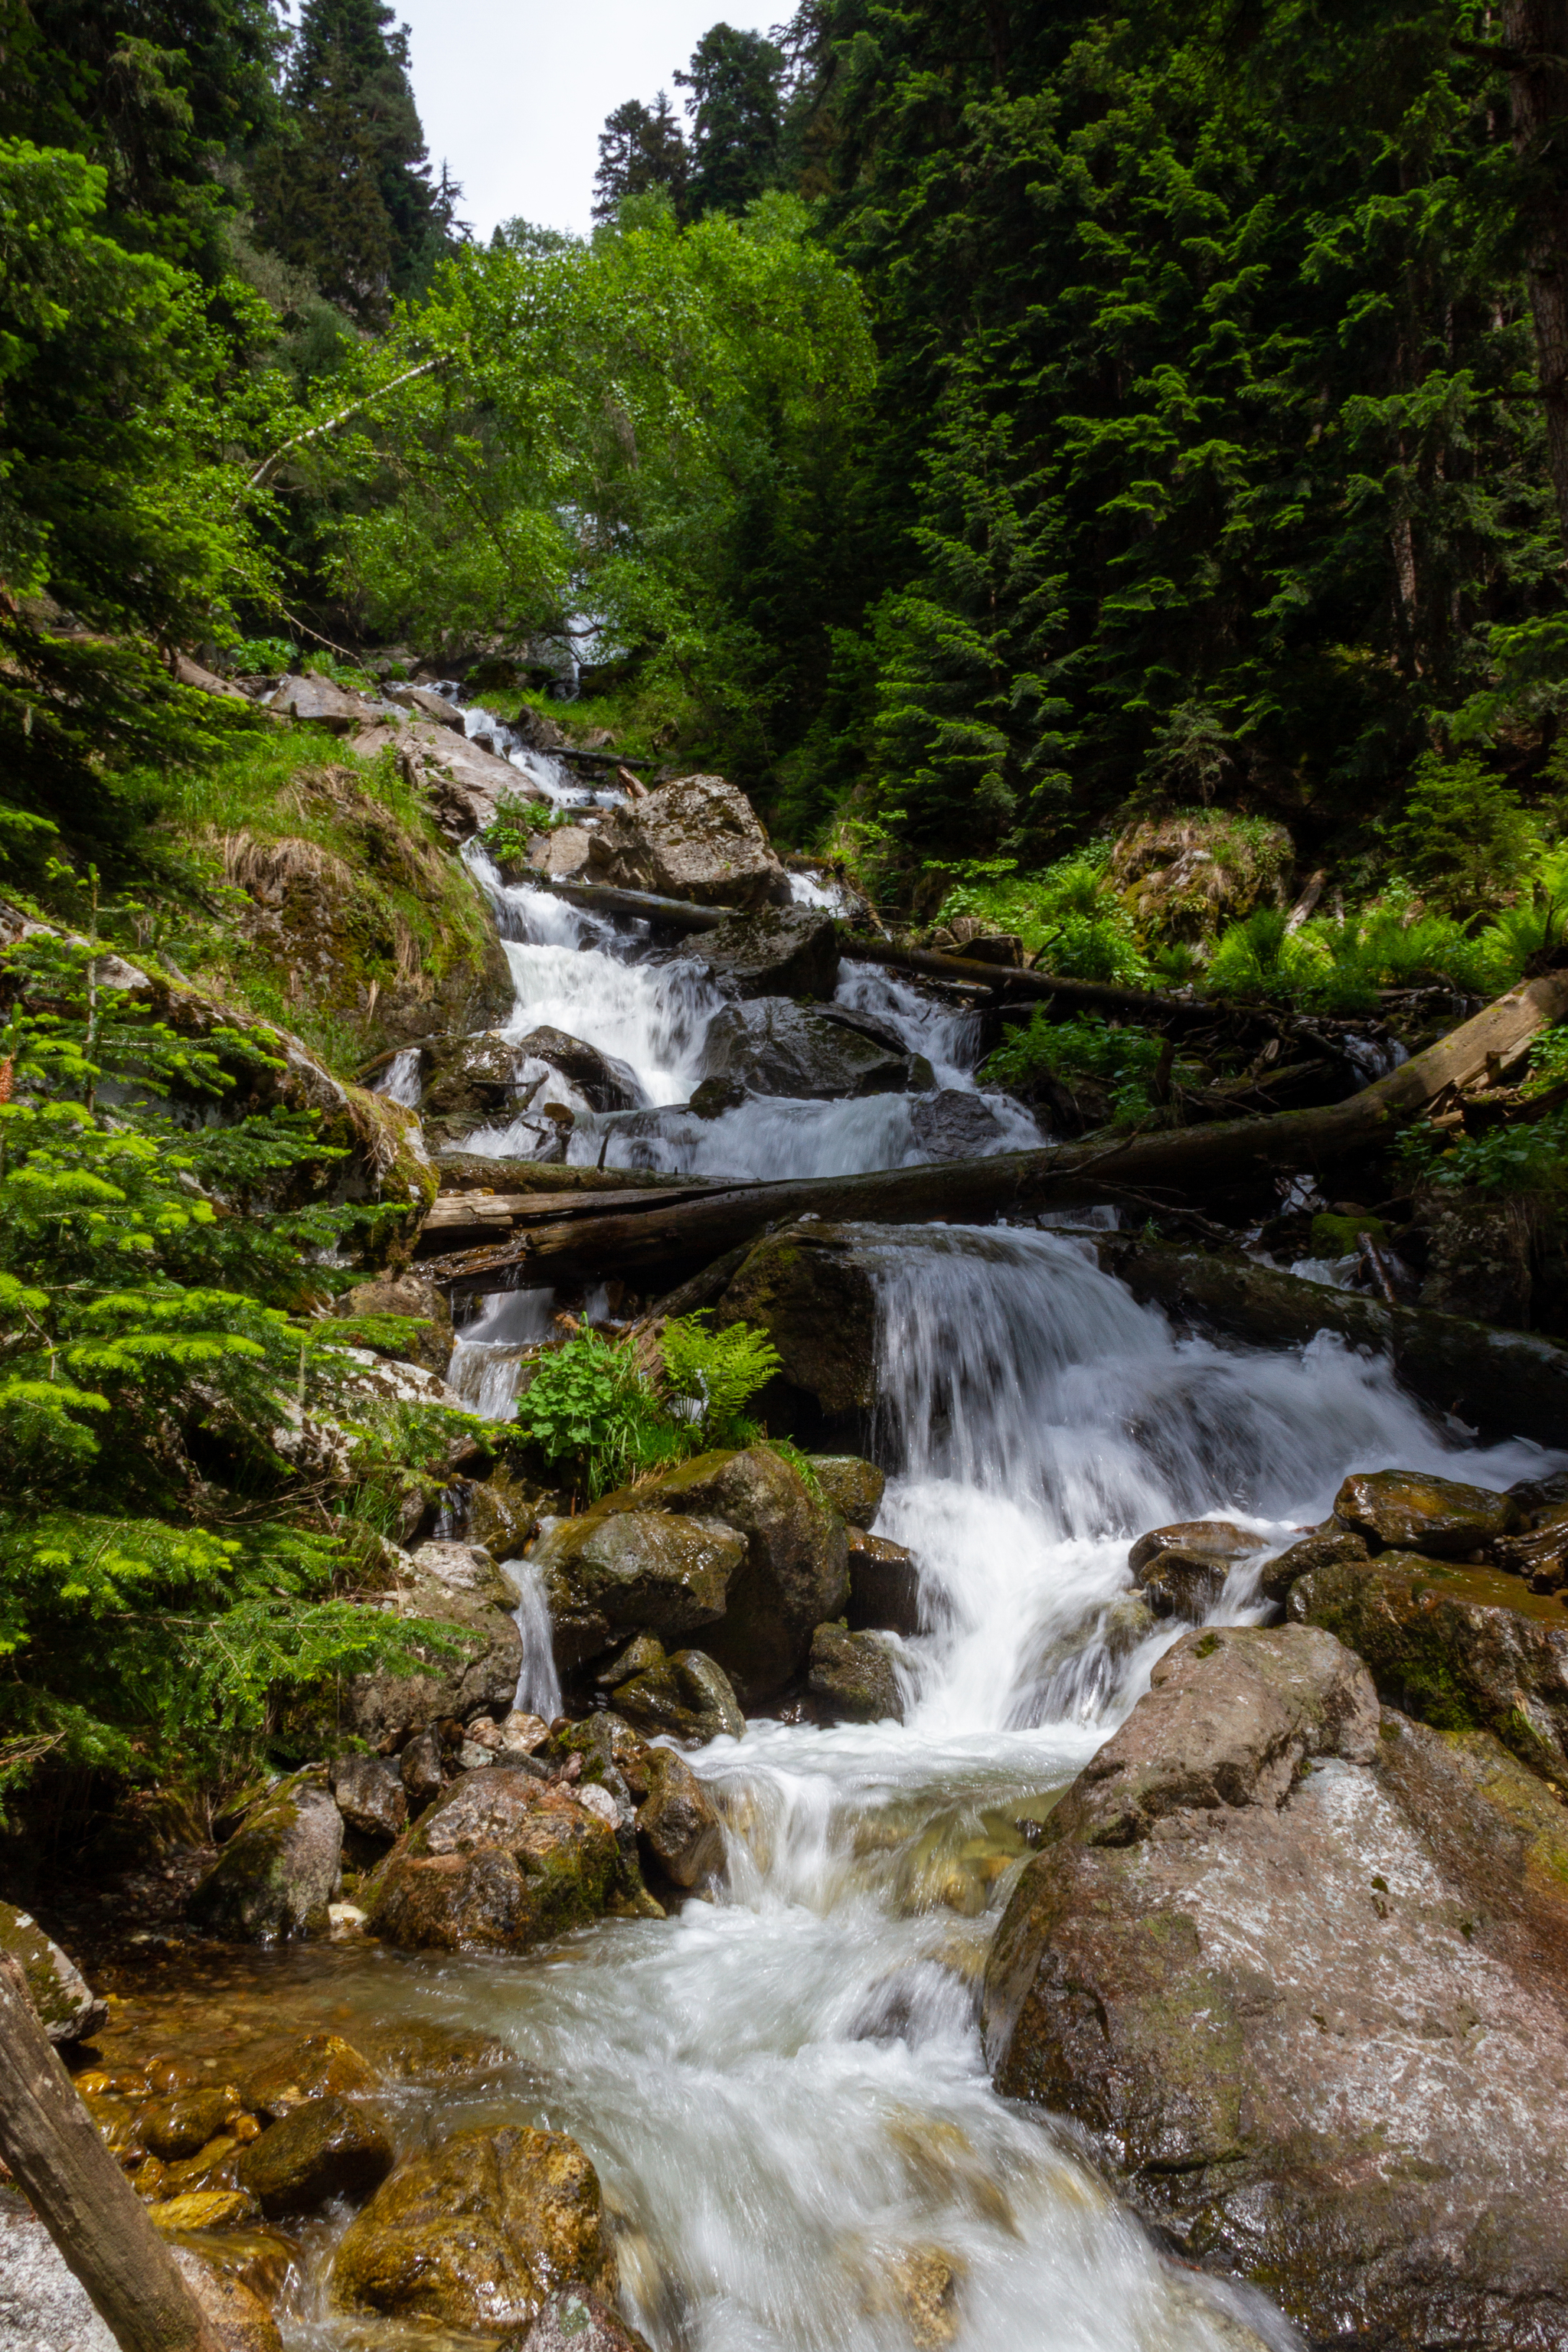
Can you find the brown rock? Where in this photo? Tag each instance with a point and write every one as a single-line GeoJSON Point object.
{"type": "Point", "coordinates": [478, 2234]}
{"type": "Point", "coordinates": [1301, 1985]}
{"type": "Point", "coordinates": [1330, 1547]}
{"type": "Point", "coordinates": [182, 2125]}
{"type": "Point", "coordinates": [631, 1565]}
{"type": "Point", "coordinates": [322, 2148]}
{"type": "Point", "coordinates": [321, 2066]}
{"type": "Point", "coordinates": [577, 2322]}
{"type": "Point", "coordinates": [501, 1862]}
{"type": "Point", "coordinates": [696, 838]}
{"type": "Point", "coordinates": [1411, 1511]}
{"type": "Point", "coordinates": [684, 1697]}
{"type": "Point", "coordinates": [1219, 1537]}
{"type": "Point", "coordinates": [677, 1821]}
{"type": "Point", "coordinates": [852, 1487]}
{"type": "Point", "coordinates": [236, 2312]}
{"type": "Point", "coordinates": [884, 1585]}
{"type": "Point", "coordinates": [854, 1674]}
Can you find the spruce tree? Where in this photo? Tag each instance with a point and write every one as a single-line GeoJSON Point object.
{"type": "Point", "coordinates": [640, 148]}
{"type": "Point", "coordinates": [736, 81]}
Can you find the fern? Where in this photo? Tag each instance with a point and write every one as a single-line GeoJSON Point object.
{"type": "Point", "coordinates": [711, 1375]}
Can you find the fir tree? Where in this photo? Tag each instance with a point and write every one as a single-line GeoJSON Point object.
{"type": "Point", "coordinates": [640, 148]}
{"type": "Point", "coordinates": [736, 81]}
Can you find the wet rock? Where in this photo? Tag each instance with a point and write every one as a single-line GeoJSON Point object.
{"type": "Point", "coordinates": [501, 1862]}
{"type": "Point", "coordinates": [370, 1795]}
{"type": "Point", "coordinates": [321, 2066]}
{"type": "Point", "coordinates": [696, 838]}
{"type": "Point", "coordinates": [478, 2235]}
{"type": "Point", "coordinates": [1460, 1647]}
{"type": "Point", "coordinates": [635, 1659]}
{"type": "Point", "coordinates": [884, 1585]}
{"type": "Point", "coordinates": [470, 1083]}
{"type": "Point", "coordinates": [203, 2209]}
{"type": "Point", "coordinates": [677, 1821]}
{"type": "Point", "coordinates": [521, 1733]}
{"type": "Point", "coordinates": [482, 1673]}
{"type": "Point", "coordinates": [850, 1487]}
{"type": "Point", "coordinates": [1411, 1511]}
{"type": "Point", "coordinates": [606, 1083]}
{"type": "Point", "coordinates": [1540, 1557]}
{"type": "Point", "coordinates": [408, 1295]}
{"type": "Point", "coordinates": [686, 1698]}
{"type": "Point", "coordinates": [618, 1569]}
{"type": "Point", "coordinates": [774, 1046]}
{"type": "Point", "coordinates": [1327, 1547]}
{"type": "Point", "coordinates": [236, 2314]}
{"type": "Point", "coordinates": [854, 1674]}
{"type": "Point", "coordinates": [955, 1125]}
{"type": "Point", "coordinates": [1181, 1570]}
{"type": "Point", "coordinates": [1309, 2018]}
{"type": "Point", "coordinates": [66, 2007]}
{"type": "Point", "coordinates": [501, 1512]}
{"type": "Point", "coordinates": [921, 2286]}
{"type": "Point", "coordinates": [323, 2148]}
{"type": "Point", "coordinates": [420, 1770]}
{"type": "Point", "coordinates": [794, 1573]}
{"type": "Point", "coordinates": [577, 2322]}
{"type": "Point", "coordinates": [810, 1288]}
{"type": "Point", "coordinates": [275, 1877]}
{"type": "Point", "coordinates": [182, 2125]}
{"type": "Point", "coordinates": [779, 951]}
{"type": "Point", "coordinates": [427, 705]}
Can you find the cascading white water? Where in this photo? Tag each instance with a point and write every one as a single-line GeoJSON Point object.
{"type": "Point", "coordinates": [492, 1348]}
{"type": "Point", "coordinates": [537, 1683]}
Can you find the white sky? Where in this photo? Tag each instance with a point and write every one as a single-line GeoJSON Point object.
{"type": "Point", "coordinates": [514, 93]}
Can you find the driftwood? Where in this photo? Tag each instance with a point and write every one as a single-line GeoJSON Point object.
{"type": "Point", "coordinates": [81, 2196]}
{"type": "Point", "coordinates": [1504, 1383]}
{"type": "Point", "coordinates": [1174, 1163]}
{"type": "Point", "coordinates": [456, 1221]}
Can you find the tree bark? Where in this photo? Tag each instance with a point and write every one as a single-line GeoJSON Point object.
{"type": "Point", "coordinates": [1178, 1162]}
{"type": "Point", "coordinates": [1535, 33]}
{"type": "Point", "coordinates": [81, 2196]}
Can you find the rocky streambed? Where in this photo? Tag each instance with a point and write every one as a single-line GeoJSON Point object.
{"type": "Point", "coordinates": [1072, 1853]}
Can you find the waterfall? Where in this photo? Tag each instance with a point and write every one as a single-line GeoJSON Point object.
{"type": "Point", "coordinates": [537, 1683]}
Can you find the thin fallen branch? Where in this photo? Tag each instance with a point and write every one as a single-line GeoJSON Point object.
{"type": "Point", "coordinates": [343, 416]}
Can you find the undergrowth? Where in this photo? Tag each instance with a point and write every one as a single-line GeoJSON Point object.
{"type": "Point", "coordinates": [594, 1408]}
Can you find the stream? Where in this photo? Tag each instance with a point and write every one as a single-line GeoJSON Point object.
{"type": "Point", "coordinates": [784, 2091]}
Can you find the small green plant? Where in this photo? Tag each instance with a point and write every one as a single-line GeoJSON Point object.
{"type": "Point", "coordinates": [1507, 1160]}
{"type": "Point", "coordinates": [712, 1375]}
{"type": "Point", "coordinates": [1463, 836]}
{"type": "Point", "coordinates": [516, 822]}
{"type": "Point", "coordinates": [591, 1407]}
{"type": "Point", "coordinates": [259, 656]}
{"type": "Point", "coordinates": [1260, 957]}
{"type": "Point", "coordinates": [1068, 915]}
{"type": "Point", "coordinates": [1123, 1060]}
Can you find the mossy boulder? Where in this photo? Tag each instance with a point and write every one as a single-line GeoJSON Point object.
{"type": "Point", "coordinates": [275, 1877]}
{"type": "Point", "coordinates": [468, 1083]}
{"type": "Point", "coordinates": [500, 1862]}
{"type": "Point", "coordinates": [1462, 1648]}
{"type": "Point", "coordinates": [1294, 1970]}
{"type": "Point", "coordinates": [677, 1822]}
{"type": "Point", "coordinates": [777, 951]}
{"type": "Point", "coordinates": [1410, 1510]}
{"type": "Point", "coordinates": [323, 2148]}
{"type": "Point", "coordinates": [687, 1696]}
{"type": "Point", "coordinates": [624, 1567]}
{"type": "Point", "coordinates": [853, 1676]}
{"type": "Point", "coordinates": [850, 1487]}
{"type": "Point", "coordinates": [1330, 1546]}
{"type": "Point", "coordinates": [478, 2235]}
{"type": "Point", "coordinates": [66, 2006]}
{"type": "Point", "coordinates": [1185, 875]}
{"type": "Point", "coordinates": [811, 1287]}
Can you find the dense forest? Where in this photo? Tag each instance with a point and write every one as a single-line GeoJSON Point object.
{"type": "Point", "coordinates": [1094, 477]}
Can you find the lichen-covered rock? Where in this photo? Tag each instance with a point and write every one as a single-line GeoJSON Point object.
{"type": "Point", "coordinates": [370, 1795]}
{"type": "Point", "coordinates": [884, 1585]}
{"type": "Point", "coordinates": [778, 952]}
{"type": "Point", "coordinates": [322, 2147]}
{"type": "Point", "coordinates": [854, 1675]}
{"type": "Point", "coordinates": [775, 1046]}
{"type": "Point", "coordinates": [811, 1288]}
{"type": "Point", "coordinates": [619, 1569]}
{"type": "Point", "coordinates": [470, 1083]}
{"type": "Point", "coordinates": [850, 1487]}
{"type": "Point", "coordinates": [605, 1082]}
{"type": "Point", "coordinates": [409, 1295]}
{"type": "Point", "coordinates": [503, 1861]}
{"type": "Point", "coordinates": [275, 1877]}
{"type": "Point", "coordinates": [795, 1569]}
{"type": "Point", "coordinates": [1300, 1986]}
{"type": "Point", "coordinates": [1410, 1510]}
{"type": "Point", "coordinates": [66, 2004]}
{"type": "Point", "coordinates": [1185, 875]}
{"type": "Point", "coordinates": [1460, 1647]}
{"type": "Point", "coordinates": [696, 838]}
{"type": "Point", "coordinates": [478, 2235]}
{"type": "Point", "coordinates": [324, 2065]}
{"type": "Point", "coordinates": [687, 1696]}
{"type": "Point", "coordinates": [677, 1821]}
{"type": "Point", "coordinates": [574, 2321]}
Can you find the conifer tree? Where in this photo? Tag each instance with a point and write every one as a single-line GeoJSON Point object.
{"type": "Point", "coordinates": [736, 81]}
{"type": "Point", "coordinates": [640, 148]}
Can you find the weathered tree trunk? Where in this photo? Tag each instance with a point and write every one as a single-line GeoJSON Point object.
{"type": "Point", "coordinates": [81, 2196]}
{"type": "Point", "coordinates": [1535, 33]}
{"type": "Point", "coordinates": [1175, 1162]}
{"type": "Point", "coordinates": [1506, 1384]}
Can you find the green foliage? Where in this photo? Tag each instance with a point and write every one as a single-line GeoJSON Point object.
{"type": "Point", "coordinates": [711, 1375]}
{"type": "Point", "coordinates": [1126, 1060]}
{"type": "Point", "coordinates": [1505, 1160]}
{"type": "Point", "coordinates": [1067, 915]}
{"type": "Point", "coordinates": [1463, 835]}
{"type": "Point", "coordinates": [1260, 957]}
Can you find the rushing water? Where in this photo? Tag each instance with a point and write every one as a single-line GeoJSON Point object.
{"type": "Point", "coordinates": [784, 2091]}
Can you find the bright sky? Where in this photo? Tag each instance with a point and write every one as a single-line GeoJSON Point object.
{"type": "Point", "coordinates": [514, 93]}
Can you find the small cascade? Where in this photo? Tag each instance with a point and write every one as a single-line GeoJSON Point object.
{"type": "Point", "coordinates": [493, 1346]}
{"type": "Point", "coordinates": [400, 1081]}
{"type": "Point", "coordinates": [537, 1683]}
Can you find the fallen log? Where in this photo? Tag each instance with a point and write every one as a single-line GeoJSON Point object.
{"type": "Point", "coordinates": [456, 1221]}
{"type": "Point", "coordinates": [81, 2196]}
{"type": "Point", "coordinates": [1502, 1383]}
{"type": "Point", "coordinates": [1173, 1162]}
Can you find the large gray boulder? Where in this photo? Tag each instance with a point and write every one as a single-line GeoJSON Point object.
{"type": "Point", "coordinates": [777, 951]}
{"type": "Point", "coordinates": [470, 1083]}
{"type": "Point", "coordinates": [775, 1046]}
{"type": "Point", "coordinates": [472, 1602]}
{"type": "Point", "coordinates": [1296, 1969]}
{"type": "Point", "coordinates": [696, 838]}
{"type": "Point", "coordinates": [275, 1877]}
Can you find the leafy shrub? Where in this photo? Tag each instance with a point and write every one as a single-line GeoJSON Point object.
{"type": "Point", "coordinates": [1124, 1060]}
{"type": "Point", "coordinates": [1259, 957]}
{"type": "Point", "coordinates": [1068, 916]}
{"type": "Point", "coordinates": [592, 1406]}
{"type": "Point", "coordinates": [1504, 1159]}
